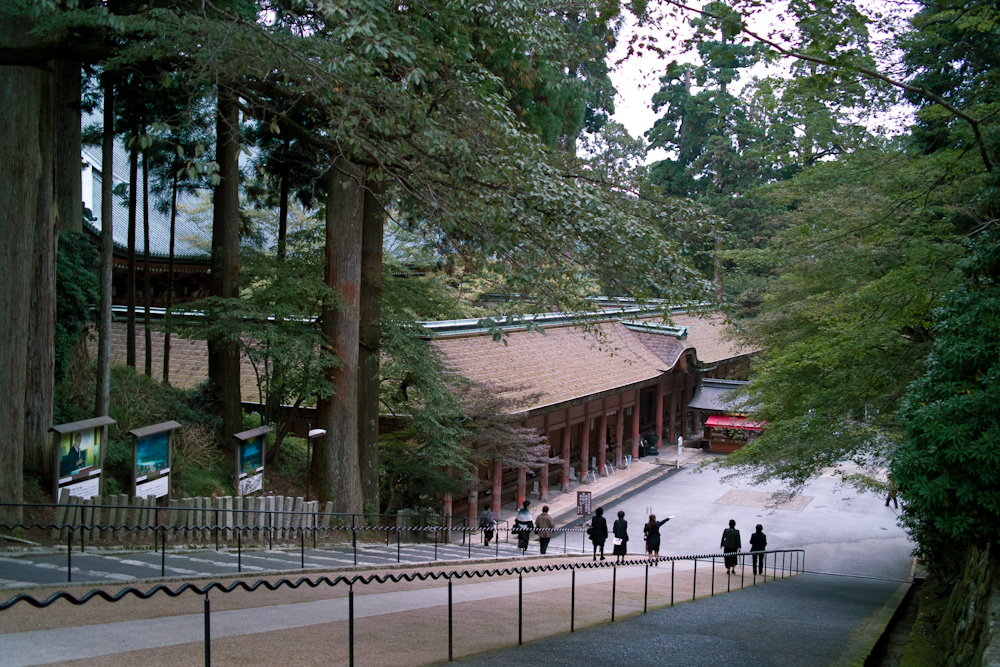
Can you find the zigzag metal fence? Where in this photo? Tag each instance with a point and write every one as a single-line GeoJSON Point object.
{"type": "Point", "coordinates": [795, 558]}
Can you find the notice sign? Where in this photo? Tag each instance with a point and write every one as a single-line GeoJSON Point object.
{"type": "Point", "coordinates": [250, 446]}
{"type": "Point", "coordinates": [583, 502]}
{"type": "Point", "coordinates": [151, 450]}
{"type": "Point", "coordinates": [79, 455]}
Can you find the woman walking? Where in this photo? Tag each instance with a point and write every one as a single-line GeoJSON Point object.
{"type": "Point", "coordinates": [523, 526]}
{"type": "Point", "coordinates": [621, 537]}
{"type": "Point", "coordinates": [651, 532]}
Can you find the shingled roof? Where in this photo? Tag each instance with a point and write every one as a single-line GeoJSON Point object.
{"type": "Point", "coordinates": [560, 363]}
{"type": "Point", "coordinates": [564, 362]}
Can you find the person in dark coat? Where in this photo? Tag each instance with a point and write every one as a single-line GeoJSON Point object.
{"type": "Point", "coordinates": [730, 545]}
{"type": "Point", "coordinates": [621, 532]}
{"type": "Point", "coordinates": [758, 543]}
{"type": "Point", "coordinates": [651, 532]}
{"type": "Point", "coordinates": [598, 531]}
{"type": "Point", "coordinates": [488, 523]}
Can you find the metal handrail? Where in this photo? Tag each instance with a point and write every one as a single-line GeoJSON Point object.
{"type": "Point", "coordinates": [368, 579]}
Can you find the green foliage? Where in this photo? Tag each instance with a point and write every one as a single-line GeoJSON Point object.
{"type": "Point", "coordinates": [864, 255]}
{"type": "Point", "coordinates": [947, 467]}
{"type": "Point", "coordinates": [77, 285]}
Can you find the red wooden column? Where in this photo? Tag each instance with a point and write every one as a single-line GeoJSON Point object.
{"type": "Point", "coordinates": [635, 425]}
{"type": "Point", "coordinates": [543, 482]}
{"type": "Point", "coordinates": [497, 488]}
{"type": "Point", "coordinates": [522, 487]}
{"type": "Point", "coordinates": [659, 412]}
{"type": "Point", "coordinates": [673, 415]}
{"type": "Point", "coordinates": [585, 447]}
{"type": "Point", "coordinates": [602, 441]}
{"type": "Point", "coordinates": [620, 431]}
{"type": "Point", "coordinates": [564, 480]}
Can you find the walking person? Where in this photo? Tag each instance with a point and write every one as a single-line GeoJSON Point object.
{"type": "Point", "coordinates": [488, 523]}
{"type": "Point", "coordinates": [544, 528]}
{"type": "Point", "coordinates": [651, 533]}
{"type": "Point", "coordinates": [598, 531]}
{"type": "Point", "coordinates": [621, 537]}
{"type": "Point", "coordinates": [523, 525]}
{"type": "Point", "coordinates": [730, 545]}
{"type": "Point", "coordinates": [758, 543]}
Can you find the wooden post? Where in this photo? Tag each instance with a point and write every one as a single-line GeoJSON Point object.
{"type": "Point", "coordinates": [585, 447]}
{"type": "Point", "coordinates": [620, 431]}
{"type": "Point", "coordinates": [635, 425]}
{"type": "Point", "coordinates": [522, 483]}
{"type": "Point", "coordinates": [659, 412]}
{"type": "Point", "coordinates": [602, 441]}
{"type": "Point", "coordinates": [564, 480]}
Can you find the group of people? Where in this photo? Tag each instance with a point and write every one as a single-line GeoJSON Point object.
{"type": "Point", "coordinates": [524, 525]}
{"type": "Point", "coordinates": [598, 532]}
{"type": "Point", "coordinates": [731, 544]}
{"type": "Point", "coordinates": [543, 527]}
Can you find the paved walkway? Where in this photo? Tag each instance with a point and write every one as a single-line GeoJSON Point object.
{"type": "Point", "coordinates": [807, 620]}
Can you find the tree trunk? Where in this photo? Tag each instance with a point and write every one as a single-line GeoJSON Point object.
{"type": "Point", "coordinates": [133, 201]}
{"type": "Point", "coordinates": [41, 323]}
{"type": "Point", "coordinates": [369, 337]}
{"type": "Point", "coordinates": [284, 187]}
{"type": "Point", "coordinates": [68, 188]}
{"type": "Point", "coordinates": [20, 178]}
{"type": "Point", "coordinates": [147, 296]}
{"type": "Point", "coordinates": [224, 358]}
{"type": "Point", "coordinates": [170, 277]}
{"type": "Point", "coordinates": [107, 251]}
{"type": "Point", "coordinates": [334, 472]}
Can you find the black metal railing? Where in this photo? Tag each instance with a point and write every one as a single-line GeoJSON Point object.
{"type": "Point", "coordinates": [795, 565]}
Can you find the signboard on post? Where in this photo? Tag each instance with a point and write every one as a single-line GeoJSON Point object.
{"type": "Point", "coordinates": [250, 448]}
{"type": "Point", "coordinates": [583, 503]}
{"type": "Point", "coordinates": [79, 456]}
{"type": "Point", "coordinates": [151, 453]}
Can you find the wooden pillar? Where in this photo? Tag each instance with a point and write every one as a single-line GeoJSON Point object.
{"type": "Point", "coordinates": [635, 424]}
{"type": "Point", "coordinates": [585, 447]}
{"type": "Point", "coordinates": [543, 483]}
{"type": "Point", "coordinates": [602, 441]}
{"type": "Point", "coordinates": [564, 480]}
{"type": "Point", "coordinates": [682, 408]}
{"type": "Point", "coordinates": [473, 512]}
{"type": "Point", "coordinates": [522, 491]}
{"type": "Point", "coordinates": [659, 412]}
{"type": "Point", "coordinates": [620, 431]}
{"type": "Point", "coordinates": [673, 416]}
{"type": "Point", "coordinates": [497, 488]}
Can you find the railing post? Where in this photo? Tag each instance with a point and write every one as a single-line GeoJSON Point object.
{"type": "Point", "coordinates": [354, 538]}
{"type": "Point", "coordinates": [520, 607]}
{"type": "Point", "coordinates": [673, 563]}
{"type": "Point", "coordinates": [69, 557]}
{"type": "Point", "coordinates": [694, 580]}
{"type": "Point", "coordinates": [215, 526]}
{"type": "Point", "coordinates": [398, 531]}
{"type": "Point", "coordinates": [350, 623]}
{"type": "Point", "coordinates": [572, 600]}
{"type": "Point", "coordinates": [451, 655]}
{"type": "Point", "coordinates": [713, 577]}
{"type": "Point", "coordinates": [645, 592]}
{"type": "Point", "coordinates": [614, 589]}
{"type": "Point", "coordinates": [239, 550]}
{"type": "Point", "coordinates": [208, 632]}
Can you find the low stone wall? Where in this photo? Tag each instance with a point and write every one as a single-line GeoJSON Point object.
{"type": "Point", "coordinates": [969, 631]}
